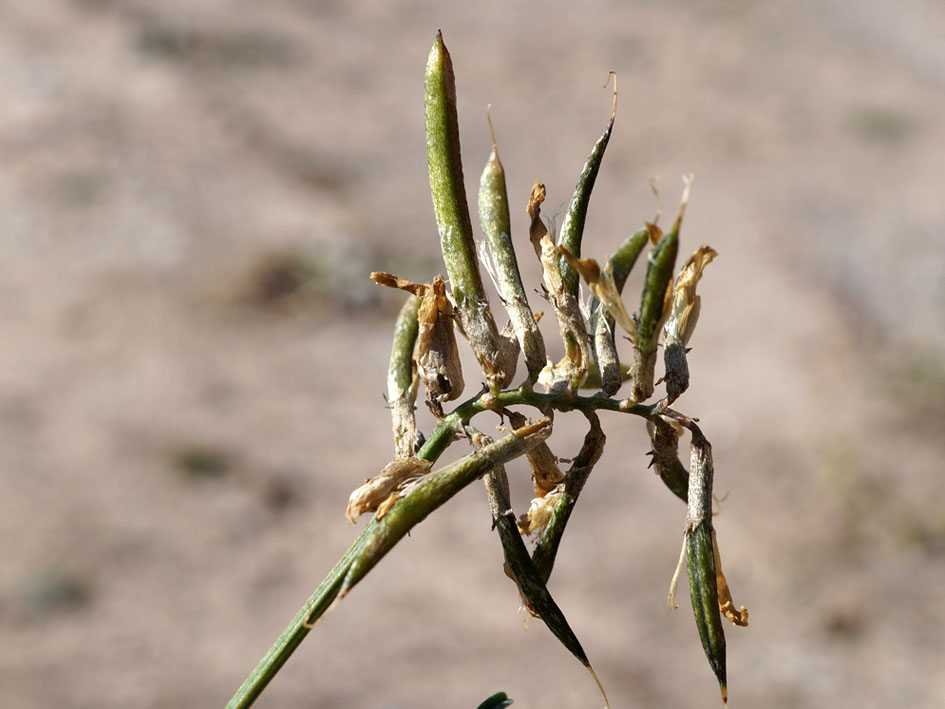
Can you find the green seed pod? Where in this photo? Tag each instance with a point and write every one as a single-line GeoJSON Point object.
{"type": "Point", "coordinates": [572, 228]}
{"type": "Point", "coordinates": [496, 223]}
{"type": "Point", "coordinates": [602, 323]}
{"type": "Point", "coordinates": [703, 593]}
{"type": "Point", "coordinates": [700, 558]}
{"type": "Point", "coordinates": [452, 214]}
{"type": "Point", "coordinates": [520, 567]}
{"type": "Point", "coordinates": [652, 308]}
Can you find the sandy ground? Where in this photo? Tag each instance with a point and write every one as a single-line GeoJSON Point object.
{"type": "Point", "coordinates": [192, 357]}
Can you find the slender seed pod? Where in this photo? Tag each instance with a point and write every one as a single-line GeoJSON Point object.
{"type": "Point", "coordinates": [434, 490]}
{"type": "Point", "coordinates": [700, 558]}
{"type": "Point", "coordinates": [658, 276]}
{"type": "Point", "coordinates": [401, 392]}
{"type": "Point", "coordinates": [452, 214]}
{"type": "Point", "coordinates": [520, 567]}
{"type": "Point", "coordinates": [602, 323]}
{"type": "Point", "coordinates": [572, 228]}
{"type": "Point", "coordinates": [567, 495]}
{"type": "Point", "coordinates": [496, 223]}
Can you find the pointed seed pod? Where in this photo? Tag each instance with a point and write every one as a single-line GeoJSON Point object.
{"type": "Point", "coordinates": [572, 228]}
{"type": "Point", "coordinates": [452, 214]}
{"type": "Point", "coordinates": [700, 558]}
{"type": "Point", "coordinates": [496, 223]}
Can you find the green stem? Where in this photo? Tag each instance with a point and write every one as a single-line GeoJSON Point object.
{"type": "Point", "coordinates": [439, 439]}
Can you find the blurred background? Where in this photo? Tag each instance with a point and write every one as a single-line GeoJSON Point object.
{"type": "Point", "coordinates": [192, 357]}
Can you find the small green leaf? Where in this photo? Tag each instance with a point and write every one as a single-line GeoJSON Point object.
{"type": "Point", "coordinates": [499, 700]}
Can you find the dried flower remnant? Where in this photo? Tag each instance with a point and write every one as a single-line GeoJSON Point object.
{"type": "Point", "coordinates": [437, 357]}
{"type": "Point", "coordinates": [570, 372]}
{"type": "Point", "coordinates": [379, 492]}
{"type": "Point", "coordinates": [681, 322]}
{"type": "Point", "coordinates": [402, 380]}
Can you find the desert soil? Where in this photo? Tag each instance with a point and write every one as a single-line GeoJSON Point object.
{"type": "Point", "coordinates": [192, 357]}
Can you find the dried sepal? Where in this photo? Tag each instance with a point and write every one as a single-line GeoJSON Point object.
{"type": "Point", "coordinates": [536, 227]}
{"type": "Point", "coordinates": [546, 474]}
{"type": "Point", "coordinates": [437, 356]}
{"type": "Point", "coordinates": [401, 378]}
{"type": "Point", "coordinates": [726, 604]}
{"type": "Point", "coordinates": [681, 321]}
{"type": "Point", "coordinates": [601, 283]}
{"type": "Point", "coordinates": [376, 493]}
{"type": "Point", "coordinates": [539, 513]}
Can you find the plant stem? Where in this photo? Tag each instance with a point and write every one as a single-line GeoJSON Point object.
{"type": "Point", "coordinates": [439, 439]}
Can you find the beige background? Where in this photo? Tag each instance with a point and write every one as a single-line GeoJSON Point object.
{"type": "Point", "coordinates": [192, 357]}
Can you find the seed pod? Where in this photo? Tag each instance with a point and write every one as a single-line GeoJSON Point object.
{"type": "Point", "coordinates": [496, 223]}
{"type": "Point", "coordinates": [452, 214]}
{"type": "Point", "coordinates": [518, 564]}
{"type": "Point", "coordinates": [681, 322]}
{"type": "Point", "coordinates": [438, 361]}
{"type": "Point", "coordinates": [602, 322]}
{"type": "Point", "coordinates": [700, 558]}
{"type": "Point", "coordinates": [654, 304]}
{"type": "Point", "coordinates": [572, 228]}
{"type": "Point", "coordinates": [401, 392]}
{"type": "Point", "coordinates": [665, 459]}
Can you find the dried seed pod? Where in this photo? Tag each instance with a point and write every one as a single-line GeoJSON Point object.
{"type": "Point", "coordinates": [591, 450]}
{"type": "Point", "coordinates": [401, 392]}
{"type": "Point", "coordinates": [665, 459]}
{"type": "Point", "coordinates": [452, 214]}
{"type": "Point", "coordinates": [681, 321]}
{"type": "Point", "coordinates": [496, 223]}
{"type": "Point", "coordinates": [572, 228]}
{"type": "Point", "coordinates": [438, 361]}
{"type": "Point", "coordinates": [571, 371]}
{"type": "Point", "coordinates": [518, 564]}
{"type": "Point", "coordinates": [385, 485]}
